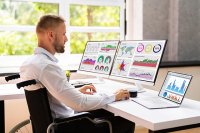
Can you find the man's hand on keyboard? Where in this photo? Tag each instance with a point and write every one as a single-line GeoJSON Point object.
{"type": "Point", "coordinates": [88, 87]}
{"type": "Point", "coordinates": [120, 94]}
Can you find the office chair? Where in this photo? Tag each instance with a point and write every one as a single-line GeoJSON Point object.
{"type": "Point", "coordinates": [40, 113]}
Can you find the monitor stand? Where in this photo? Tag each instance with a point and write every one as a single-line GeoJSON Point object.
{"type": "Point", "coordinates": [138, 87]}
{"type": "Point", "coordinates": [99, 80]}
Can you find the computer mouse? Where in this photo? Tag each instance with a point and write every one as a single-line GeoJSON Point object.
{"type": "Point", "coordinates": [133, 93]}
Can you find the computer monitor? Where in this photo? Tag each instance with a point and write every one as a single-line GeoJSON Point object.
{"type": "Point", "coordinates": [138, 62]}
{"type": "Point", "coordinates": [98, 58]}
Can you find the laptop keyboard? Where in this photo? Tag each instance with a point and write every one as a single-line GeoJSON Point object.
{"type": "Point", "coordinates": [158, 101]}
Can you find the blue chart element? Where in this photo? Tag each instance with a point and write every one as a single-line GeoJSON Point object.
{"type": "Point", "coordinates": [176, 88]}
{"type": "Point", "coordinates": [122, 49]}
{"type": "Point", "coordinates": [164, 94]}
{"type": "Point", "coordinates": [127, 49]}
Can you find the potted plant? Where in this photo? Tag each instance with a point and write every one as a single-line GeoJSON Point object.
{"type": "Point", "coordinates": [68, 75]}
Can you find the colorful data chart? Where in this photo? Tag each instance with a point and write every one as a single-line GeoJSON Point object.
{"type": "Point", "coordinates": [157, 48]}
{"type": "Point", "coordinates": [106, 69]}
{"type": "Point", "coordinates": [88, 61]}
{"type": "Point", "coordinates": [100, 59]}
{"type": "Point", "coordinates": [142, 73]}
{"type": "Point", "coordinates": [108, 59]}
{"type": "Point", "coordinates": [146, 61]}
{"type": "Point", "coordinates": [108, 47]}
{"type": "Point", "coordinates": [121, 67]}
{"type": "Point", "coordinates": [176, 88]}
{"type": "Point", "coordinates": [149, 48]}
{"type": "Point", "coordinates": [101, 68]}
{"type": "Point", "coordinates": [105, 59]}
{"type": "Point", "coordinates": [125, 50]}
{"type": "Point", "coordinates": [173, 97]}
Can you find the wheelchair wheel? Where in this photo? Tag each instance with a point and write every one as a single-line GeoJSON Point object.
{"type": "Point", "coordinates": [21, 127]}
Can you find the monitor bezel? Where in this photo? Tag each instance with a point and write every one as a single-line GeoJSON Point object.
{"type": "Point", "coordinates": [185, 91]}
{"type": "Point", "coordinates": [140, 80]}
{"type": "Point", "coordinates": [97, 73]}
{"type": "Point", "coordinates": [129, 80]}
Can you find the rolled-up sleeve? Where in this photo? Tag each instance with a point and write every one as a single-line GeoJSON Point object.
{"type": "Point", "coordinates": [53, 78]}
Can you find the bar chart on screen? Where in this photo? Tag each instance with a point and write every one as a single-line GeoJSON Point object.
{"type": "Point", "coordinates": [177, 85]}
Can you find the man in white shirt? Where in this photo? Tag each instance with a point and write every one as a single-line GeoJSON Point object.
{"type": "Point", "coordinates": [63, 98]}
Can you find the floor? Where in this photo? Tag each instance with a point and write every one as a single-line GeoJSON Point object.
{"type": "Point", "coordinates": [195, 130]}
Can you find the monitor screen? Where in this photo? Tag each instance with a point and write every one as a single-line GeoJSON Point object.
{"type": "Point", "coordinates": [175, 86]}
{"type": "Point", "coordinates": [139, 60]}
{"type": "Point", "coordinates": [98, 56]}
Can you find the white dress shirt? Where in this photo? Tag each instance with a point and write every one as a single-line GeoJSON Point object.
{"type": "Point", "coordinates": [63, 97]}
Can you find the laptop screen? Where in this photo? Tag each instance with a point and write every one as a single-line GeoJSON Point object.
{"type": "Point", "coordinates": [175, 86]}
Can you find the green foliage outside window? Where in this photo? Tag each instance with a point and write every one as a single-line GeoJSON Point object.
{"type": "Point", "coordinates": [17, 43]}
{"type": "Point", "coordinates": [27, 13]}
{"type": "Point", "coordinates": [24, 13]}
{"type": "Point", "coordinates": [98, 16]}
{"type": "Point", "coordinates": [92, 16]}
{"type": "Point", "coordinates": [21, 13]}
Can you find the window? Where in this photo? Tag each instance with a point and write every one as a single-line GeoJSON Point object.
{"type": "Point", "coordinates": [92, 16]}
{"type": "Point", "coordinates": [17, 43]}
{"type": "Point", "coordinates": [86, 20]}
{"type": "Point", "coordinates": [24, 13]}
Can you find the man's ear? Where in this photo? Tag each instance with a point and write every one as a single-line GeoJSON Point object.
{"type": "Point", "coordinates": [50, 35]}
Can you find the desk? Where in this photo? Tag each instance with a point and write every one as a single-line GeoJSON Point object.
{"type": "Point", "coordinates": [156, 120]}
{"type": "Point", "coordinates": [8, 92]}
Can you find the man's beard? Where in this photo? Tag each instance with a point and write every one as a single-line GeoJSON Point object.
{"type": "Point", "coordinates": [59, 48]}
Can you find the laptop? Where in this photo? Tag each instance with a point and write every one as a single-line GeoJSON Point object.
{"type": "Point", "coordinates": [171, 94]}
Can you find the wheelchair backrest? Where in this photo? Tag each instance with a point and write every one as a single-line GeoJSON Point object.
{"type": "Point", "coordinates": [39, 109]}
{"type": "Point", "coordinates": [38, 105]}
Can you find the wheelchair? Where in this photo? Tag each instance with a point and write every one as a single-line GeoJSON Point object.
{"type": "Point", "coordinates": [40, 113]}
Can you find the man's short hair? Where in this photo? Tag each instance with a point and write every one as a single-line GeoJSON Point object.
{"type": "Point", "coordinates": [48, 21]}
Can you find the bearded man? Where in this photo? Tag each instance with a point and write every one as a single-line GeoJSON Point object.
{"type": "Point", "coordinates": [64, 99]}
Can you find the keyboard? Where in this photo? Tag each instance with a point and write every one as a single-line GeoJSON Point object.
{"type": "Point", "coordinates": [154, 102]}
{"type": "Point", "coordinates": [158, 101]}
{"type": "Point", "coordinates": [80, 84]}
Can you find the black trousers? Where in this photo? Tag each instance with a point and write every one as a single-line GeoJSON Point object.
{"type": "Point", "coordinates": [119, 124]}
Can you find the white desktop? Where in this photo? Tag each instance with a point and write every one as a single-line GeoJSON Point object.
{"type": "Point", "coordinates": [138, 62]}
{"type": "Point", "coordinates": [98, 59]}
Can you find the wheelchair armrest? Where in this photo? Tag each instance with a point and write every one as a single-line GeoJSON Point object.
{"type": "Point", "coordinates": [74, 117]}
{"type": "Point", "coordinates": [26, 83]}
{"type": "Point", "coordinates": [11, 77]}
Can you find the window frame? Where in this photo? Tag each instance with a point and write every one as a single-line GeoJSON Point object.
{"type": "Point", "coordinates": [64, 11]}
